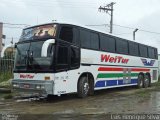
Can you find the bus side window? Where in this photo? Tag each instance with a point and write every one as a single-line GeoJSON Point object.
{"type": "Point", "coordinates": [94, 41]}
{"type": "Point", "coordinates": [85, 39]}
{"type": "Point", "coordinates": [155, 53]}
{"type": "Point", "coordinates": [76, 40]}
{"type": "Point", "coordinates": [75, 57]}
{"type": "Point", "coordinates": [121, 46]}
{"type": "Point", "coordinates": [143, 50]}
{"type": "Point", "coordinates": [107, 43]}
{"type": "Point", "coordinates": [66, 34]}
{"type": "Point", "coordinates": [151, 53]}
{"type": "Point", "coordinates": [133, 49]}
{"type": "Point", "coordinates": [62, 58]}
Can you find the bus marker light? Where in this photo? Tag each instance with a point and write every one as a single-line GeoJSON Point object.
{"type": "Point", "coordinates": [46, 78]}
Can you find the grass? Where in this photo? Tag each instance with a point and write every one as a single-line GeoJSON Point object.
{"type": "Point", "coordinates": [8, 96]}
{"type": "Point", "coordinates": [146, 92]}
{"type": "Point", "coordinates": [5, 76]}
{"type": "Point", "coordinates": [4, 79]}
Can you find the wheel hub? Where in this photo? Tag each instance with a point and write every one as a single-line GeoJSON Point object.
{"type": "Point", "coordinates": [86, 88]}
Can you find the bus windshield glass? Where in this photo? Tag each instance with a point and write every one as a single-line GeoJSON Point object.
{"type": "Point", "coordinates": [29, 57]}
{"type": "Point", "coordinates": [39, 32]}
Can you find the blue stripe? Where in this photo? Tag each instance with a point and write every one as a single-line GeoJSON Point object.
{"type": "Point", "coordinates": [134, 81]}
{"type": "Point", "coordinates": [111, 82]}
{"type": "Point", "coordinates": [106, 83]}
{"type": "Point", "coordinates": [100, 84]}
{"type": "Point", "coordinates": [120, 82]}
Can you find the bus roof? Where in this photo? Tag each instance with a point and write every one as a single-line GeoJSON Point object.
{"type": "Point", "coordinates": [87, 27]}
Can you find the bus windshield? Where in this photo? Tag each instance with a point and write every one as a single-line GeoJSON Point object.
{"type": "Point", "coordinates": [29, 57]}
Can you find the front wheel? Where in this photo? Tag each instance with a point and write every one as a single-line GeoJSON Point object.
{"type": "Point", "coordinates": [83, 87]}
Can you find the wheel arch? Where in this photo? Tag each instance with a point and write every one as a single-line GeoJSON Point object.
{"type": "Point", "coordinates": [87, 74]}
{"type": "Point", "coordinates": [141, 73]}
{"type": "Point", "coordinates": [90, 77]}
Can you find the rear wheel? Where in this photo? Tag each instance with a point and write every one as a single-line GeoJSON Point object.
{"type": "Point", "coordinates": [146, 81]}
{"type": "Point", "coordinates": [83, 87]}
{"type": "Point", "coordinates": [140, 81]}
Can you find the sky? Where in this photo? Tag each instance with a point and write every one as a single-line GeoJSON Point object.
{"type": "Point", "coordinates": [127, 16]}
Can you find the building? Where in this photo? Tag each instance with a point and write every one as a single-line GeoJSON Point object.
{"type": "Point", "coordinates": [1, 36]}
{"type": "Point", "coordinates": [159, 63]}
{"type": "Point", "coordinates": [9, 49]}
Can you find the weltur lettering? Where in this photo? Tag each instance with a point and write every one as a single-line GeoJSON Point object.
{"type": "Point", "coordinates": [26, 76]}
{"type": "Point", "coordinates": [116, 59]}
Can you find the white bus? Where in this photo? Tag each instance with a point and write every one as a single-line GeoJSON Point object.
{"type": "Point", "coordinates": [58, 58]}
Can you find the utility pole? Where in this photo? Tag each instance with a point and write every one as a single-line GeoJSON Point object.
{"type": "Point", "coordinates": [1, 36]}
{"type": "Point", "coordinates": [12, 48]}
{"type": "Point", "coordinates": [109, 8]}
{"type": "Point", "coordinates": [134, 34]}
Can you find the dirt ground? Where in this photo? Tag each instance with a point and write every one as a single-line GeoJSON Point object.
{"type": "Point", "coordinates": [111, 101]}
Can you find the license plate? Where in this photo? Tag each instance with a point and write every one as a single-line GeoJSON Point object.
{"type": "Point", "coordinates": [26, 86]}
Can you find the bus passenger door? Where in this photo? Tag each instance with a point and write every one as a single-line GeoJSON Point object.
{"type": "Point", "coordinates": [126, 76]}
{"type": "Point", "coordinates": [61, 68]}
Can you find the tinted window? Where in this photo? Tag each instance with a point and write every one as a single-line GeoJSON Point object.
{"type": "Point", "coordinates": [76, 36]}
{"type": "Point", "coordinates": [62, 56]}
{"type": "Point", "coordinates": [75, 57]}
{"type": "Point", "coordinates": [143, 51]}
{"type": "Point", "coordinates": [107, 43]}
{"type": "Point", "coordinates": [66, 34]}
{"type": "Point", "coordinates": [151, 53]}
{"type": "Point", "coordinates": [121, 46]}
{"type": "Point", "coordinates": [156, 53]}
{"type": "Point", "coordinates": [94, 41]}
{"type": "Point", "coordinates": [85, 38]}
{"type": "Point", "coordinates": [50, 50]}
{"type": "Point", "coordinates": [133, 49]}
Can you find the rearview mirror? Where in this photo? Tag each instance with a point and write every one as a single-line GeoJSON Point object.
{"type": "Point", "coordinates": [45, 47]}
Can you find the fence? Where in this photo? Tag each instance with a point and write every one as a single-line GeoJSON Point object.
{"type": "Point", "coordinates": [6, 66]}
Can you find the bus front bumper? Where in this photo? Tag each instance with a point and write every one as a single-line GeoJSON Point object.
{"type": "Point", "coordinates": [33, 87]}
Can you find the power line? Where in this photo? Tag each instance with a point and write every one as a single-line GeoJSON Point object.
{"type": "Point", "coordinates": [64, 6]}
{"type": "Point", "coordinates": [138, 29]}
{"type": "Point", "coordinates": [13, 27]}
{"type": "Point", "coordinates": [142, 30]}
{"type": "Point", "coordinates": [63, 2]}
{"type": "Point", "coordinates": [70, 5]}
{"type": "Point", "coordinates": [100, 25]}
{"type": "Point", "coordinates": [16, 24]}
{"type": "Point", "coordinates": [10, 38]}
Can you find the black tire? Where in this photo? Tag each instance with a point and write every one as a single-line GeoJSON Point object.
{"type": "Point", "coordinates": [83, 87]}
{"type": "Point", "coordinates": [91, 87]}
{"type": "Point", "coordinates": [140, 81]}
{"type": "Point", "coordinates": [146, 81]}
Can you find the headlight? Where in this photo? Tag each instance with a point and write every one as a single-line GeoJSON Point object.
{"type": "Point", "coordinates": [15, 85]}
{"type": "Point", "coordinates": [40, 87]}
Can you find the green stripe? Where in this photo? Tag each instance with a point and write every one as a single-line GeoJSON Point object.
{"type": "Point", "coordinates": [114, 75]}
